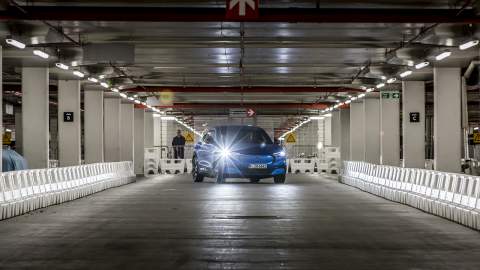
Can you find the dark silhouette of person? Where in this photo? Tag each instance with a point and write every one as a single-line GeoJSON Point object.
{"type": "Point", "coordinates": [178, 144]}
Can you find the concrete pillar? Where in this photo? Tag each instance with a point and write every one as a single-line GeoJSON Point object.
{"type": "Point", "coordinates": [139, 138]}
{"type": "Point", "coordinates": [336, 128]}
{"type": "Point", "coordinates": [357, 135]}
{"type": "Point", "coordinates": [69, 118]}
{"type": "Point", "coordinates": [149, 130]}
{"type": "Point", "coordinates": [413, 129]}
{"type": "Point", "coordinates": [18, 131]}
{"type": "Point", "coordinates": [35, 116]}
{"type": "Point", "coordinates": [345, 134]}
{"type": "Point", "coordinates": [93, 122]}
{"type": "Point", "coordinates": [327, 124]}
{"type": "Point", "coordinates": [447, 97]}
{"type": "Point", "coordinates": [126, 132]}
{"type": "Point", "coordinates": [372, 130]}
{"type": "Point", "coordinates": [111, 129]}
{"type": "Point", "coordinates": [390, 128]}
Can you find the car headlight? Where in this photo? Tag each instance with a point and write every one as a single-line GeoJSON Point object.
{"type": "Point", "coordinates": [280, 154]}
{"type": "Point", "coordinates": [225, 153]}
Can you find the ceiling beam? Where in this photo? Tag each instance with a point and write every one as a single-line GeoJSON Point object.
{"type": "Point", "coordinates": [213, 106]}
{"type": "Point", "coordinates": [288, 15]}
{"type": "Point", "coordinates": [179, 89]}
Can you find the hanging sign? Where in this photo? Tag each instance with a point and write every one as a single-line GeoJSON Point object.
{"type": "Point", "coordinates": [242, 9]}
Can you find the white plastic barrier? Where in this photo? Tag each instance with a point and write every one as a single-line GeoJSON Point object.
{"type": "Point", "coordinates": [152, 161]}
{"type": "Point", "coordinates": [449, 195]}
{"type": "Point", "coordinates": [24, 191]}
{"type": "Point", "coordinates": [172, 166]}
{"type": "Point", "coordinates": [188, 165]}
{"type": "Point", "coordinates": [302, 165]}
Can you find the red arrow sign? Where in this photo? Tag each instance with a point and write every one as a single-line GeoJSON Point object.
{"type": "Point", "coordinates": [250, 112]}
{"type": "Point", "coordinates": [242, 9]}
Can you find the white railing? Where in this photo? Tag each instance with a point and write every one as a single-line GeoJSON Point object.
{"type": "Point", "coordinates": [449, 195]}
{"type": "Point", "coordinates": [25, 191]}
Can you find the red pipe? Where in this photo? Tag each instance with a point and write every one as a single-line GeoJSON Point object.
{"type": "Point", "coordinates": [291, 15]}
{"type": "Point", "coordinates": [179, 89]}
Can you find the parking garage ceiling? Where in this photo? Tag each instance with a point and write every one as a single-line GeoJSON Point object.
{"type": "Point", "coordinates": [296, 58]}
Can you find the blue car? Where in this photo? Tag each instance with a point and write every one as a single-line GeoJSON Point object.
{"type": "Point", "coordinates": [238, 152]}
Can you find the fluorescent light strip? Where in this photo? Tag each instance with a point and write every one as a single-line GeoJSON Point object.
{"type": "Point", "coordinates": [93, 79]}
{"type": "Point", "coordinates": [62, 66]}
{"type": "Point", "coordinates": [78, 74]}
{"type": "Point", "coordinates": [104, 84]}
{"type": "Point", "coordinates": [391, 80]}
{"type": "Point", "coordinates": [380, 85]}
{"type": "Point", "coordinates": [114, 90]}
{"type": "Point", "coordinates": [406, 73]}
{"type": "Point", "coordinates": [422, 65]}
{"type": "Point", "coordinates": [443, 55]}
{"type": "Point", "coordinates": [371, 90]}
{"type": "Point", "coordinates": [41, 54]}
{"type": "Point", "coordinates": [137, 101]}
{"type": "Point", "coordinates": [469, 44]}
{"type": "Point", "coordinates": [123, 95]}
{"type": "Point", "coordinates": [15, 43]}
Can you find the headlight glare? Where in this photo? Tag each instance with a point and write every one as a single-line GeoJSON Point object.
{"type": "Point", "coordinates": [280, 154]}
{"type": "Point", "coordinates": [225, 153]}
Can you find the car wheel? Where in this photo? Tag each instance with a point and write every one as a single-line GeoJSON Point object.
{"type": "Point", "coordinates": [197, 176]}
{"type": "Point", "coordinates": [254, 180]}
{"type": "Point", "coordinates": [279, 179]}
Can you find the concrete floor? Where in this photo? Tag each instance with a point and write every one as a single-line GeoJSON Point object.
{"type": "Point", "coordinates": [168, 222]}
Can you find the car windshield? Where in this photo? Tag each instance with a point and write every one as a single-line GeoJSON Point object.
{"type": "Point", "coordinates": [243, 135]}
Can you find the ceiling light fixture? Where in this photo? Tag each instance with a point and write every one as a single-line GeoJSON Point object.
{"type": "Point", "coordinates": [422, 65]}
{"type": "Point", "coordinates": [348, 102]}
{"type": "Point", "coordinates": [137, 101]}
{"type": "Point", "coordinates": [114, 90]}
{"type": "Point", "coordinates": [93, 79]}
{"type": "Point", "coordinates": [406, 73]}
{"type": "Point", "coordinates": [392, 80]}
{"type": "Point", "coordinates": [41, 54]}
{"type": "Point", "coordinates": [131, 98]}
{"type": "Point", "coordinates": [371, 89]}
{"type": "Point", "coordinates": [361, 95]}
{"type": "Point", "coordinates": [78, 74]}
{"type": "Point", "coordinates": [443, 55]}
{"type": "Point", "coordinates": [62, 66]}
{"type": "Point", "coordinates": [123, 95]}
{"type": "Point", "coordinates": [380, 85]}
{"type": "Point", "coordinates": [15, 43]}
{"type": "Point", "coordinates": [104, 84]}
{"type": "Point", "coordinates": [468, 44]}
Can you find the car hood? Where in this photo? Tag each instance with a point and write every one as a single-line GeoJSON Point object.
{"type": "Point", "coordinates": [257, 149]}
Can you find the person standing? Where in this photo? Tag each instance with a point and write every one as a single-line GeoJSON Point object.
{"type": "Point", "coordinates": [178, 144]}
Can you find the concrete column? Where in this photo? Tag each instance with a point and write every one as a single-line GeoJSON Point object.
{"type": "Point", "coordinates": [139, 138]}
{"type": "Point", "coordinates": [93, 122]}
{"type": "Point", "coordinates": [390, 128]}
{"type": "Point", "coordinates": [18, 131]}
{"type": "Point", "coordinates": [111, 129]}
{"type": "Point", "coordinates": [357, 135]}
{"type": "Point", "coordinates": [372, 130]}
{"type": "Point", "coordinates": [157, 131]}
{"type": "Point", "coordinates": [149, 130]}
{"type": "Point", "coordinates": [35, 106]}
{"type": "Point", "coordinates": [447, 124]}
{"type": "Point", "coordinates": [345, 134]}
{"type": "Point", "coordinates": [413, 104]}
{"type": "Point", "coordinates": [69, 130]}
{"type": "Point", "coordinates": [327, 124]}
{"type": "Point", "coordinates": [336, 128]}
{"type": "Point", "coordinates": [126, 132]}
